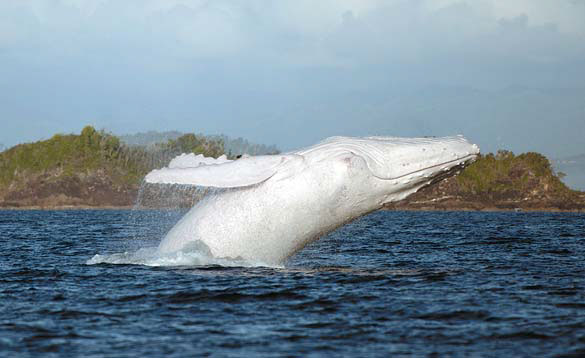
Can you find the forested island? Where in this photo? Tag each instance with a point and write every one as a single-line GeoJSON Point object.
{"type": "Point", "coordinates": [501, 181]}
{"type": "Point", "coordinates": [92, 169]}
{"type": "Point", "coordinates": [96, 169]}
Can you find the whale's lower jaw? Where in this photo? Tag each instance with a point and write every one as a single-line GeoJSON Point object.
{"type": "Point", "coordinates": [446, 171]}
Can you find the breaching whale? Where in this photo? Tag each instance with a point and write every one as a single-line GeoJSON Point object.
{"type": "Point", "coordinates": [273, 205]}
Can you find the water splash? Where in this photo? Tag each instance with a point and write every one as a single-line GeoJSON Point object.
{"type": "Point", "coordinates": [196, 254]}
{"type": "Point", "coordinates": [161, 206]}
{"type": "Point", "coordinates": [171, 196]}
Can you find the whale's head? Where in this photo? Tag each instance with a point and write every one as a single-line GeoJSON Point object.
{"type": "Point", "coordinates": [399, 166]}
{"type": "Point", "coordinates": [404, 165]}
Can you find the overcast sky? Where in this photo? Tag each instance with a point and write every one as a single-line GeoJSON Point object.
{"type": "Point", "coordinates": [505, 73]}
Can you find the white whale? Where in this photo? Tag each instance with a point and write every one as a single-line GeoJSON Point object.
{"type": "Point", "coordinates": [273, 206]}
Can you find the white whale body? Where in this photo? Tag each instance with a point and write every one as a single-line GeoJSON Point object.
{"type": "Point", "coordinates": [274, 205]}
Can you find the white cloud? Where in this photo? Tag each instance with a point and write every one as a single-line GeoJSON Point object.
{"type": "Point", "coordinates": [302, 62]}
{"type": "Point", "coordinates": [334, 32]}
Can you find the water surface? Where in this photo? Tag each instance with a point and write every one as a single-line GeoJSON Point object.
{"type": "Point", "coordinates": [431, 284]}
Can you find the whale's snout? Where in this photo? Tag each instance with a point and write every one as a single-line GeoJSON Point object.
{"type": "Point", "coordinates": [405, 165]}
{"type": "Point", "coordinates": [431, 156]}
{"type": "Point", "coordinates": [391, 158]}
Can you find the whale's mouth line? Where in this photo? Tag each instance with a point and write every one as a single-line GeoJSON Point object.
{"type": "Point", "coordinates": [465, 158]}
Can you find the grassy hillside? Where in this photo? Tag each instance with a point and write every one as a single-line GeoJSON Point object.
{"type": "Point", "coordinates": [506, 175]}
{"type": "Point", "coordinates": [92, 168]}
{"type": "Point", "coordinates": [501, 181]}
{"type": "Point", "coordinates": [68, 155]}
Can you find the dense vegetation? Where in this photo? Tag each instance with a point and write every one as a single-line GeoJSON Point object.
{"type": "Point", "coordinates": [499, 181]}
{"type": "Point", "coordinates": [73, 155]}
{"type": "Point", "coordinates": [505, 174]}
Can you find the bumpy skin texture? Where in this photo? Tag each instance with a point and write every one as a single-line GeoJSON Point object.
{"type": "Point", "coordinates": [275, 205]}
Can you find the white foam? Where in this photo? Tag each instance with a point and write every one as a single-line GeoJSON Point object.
{"type": "Point", "coordinates": [151, 256]}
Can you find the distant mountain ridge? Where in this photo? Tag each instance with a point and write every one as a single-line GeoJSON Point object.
{"type": "Point", "coordinates": [232, 146]}
{"type": "Point", "coordinates": [573, 159]}
{"type": "Point", "coordinates": [574, 168]}
{"type": "Point", "coordinates": [149, 138]}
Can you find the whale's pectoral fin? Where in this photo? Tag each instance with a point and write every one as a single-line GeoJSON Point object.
{"type": "Point", "coordinates": [238, 173]}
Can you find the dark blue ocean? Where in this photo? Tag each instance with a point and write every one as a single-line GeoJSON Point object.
{"type": "Point", "coordinates": [400, 284]}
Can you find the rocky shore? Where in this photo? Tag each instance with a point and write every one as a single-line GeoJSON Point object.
{"type": "Point", "coordinates": [444, 196]}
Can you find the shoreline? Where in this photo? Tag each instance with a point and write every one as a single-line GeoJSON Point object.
{"type": "Point", "coordinates": [424, 209]}
{"type": "Point", "coordinates": [66, 208]}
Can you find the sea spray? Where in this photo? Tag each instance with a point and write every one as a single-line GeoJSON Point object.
{"type": "Point", "coordinates": [167, 203]}
{"type": "Point", "coordinates": [169, 196]}
{"type": "Point", "coordinates": [158, 207]}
